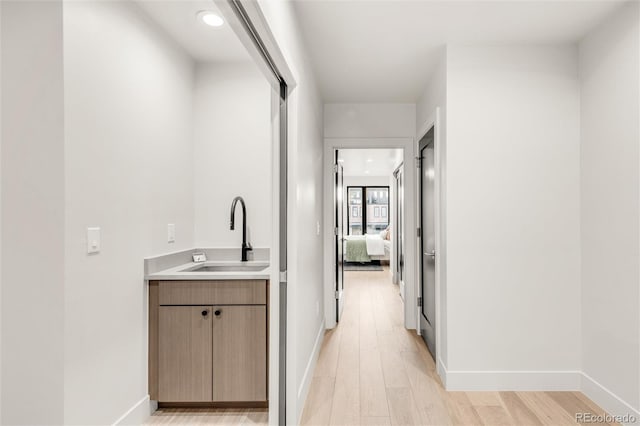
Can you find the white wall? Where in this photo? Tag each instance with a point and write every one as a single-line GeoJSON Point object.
{"type": "Point", "coordinates": [365, 181]}
{"type": "Point", "coordinates": [305, 246]}
{"type": "Point", "coordinates": [513, 234]}
{"type": "Point", "coordinates": [369, 120]}
{"type": "Point", "coordinates": [232, 154]}
{"type": "Point", "coordinates": [129, 161]}
{"type": "Point", "coordinates": [434, 98]}
{"type": "Point", "coordinates": [610, 211]}
{"type": "Point", "coordinates": [32, 213]}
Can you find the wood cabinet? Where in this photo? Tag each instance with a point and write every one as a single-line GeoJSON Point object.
{"type": "Point", "coordinates": [239, 355]}
{"type": "Point", "coordinates": [208, 342]}
{"type": "Point", "coordinates": [185, 346]}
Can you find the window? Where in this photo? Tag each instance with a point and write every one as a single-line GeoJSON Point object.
{"type": "Point", "coordinates": [374, 213]}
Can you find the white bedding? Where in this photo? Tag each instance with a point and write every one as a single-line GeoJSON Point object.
{"type": "Point", "coordinates": [375, 245]}
{"type": "Point", "coordinates": [385, 255]}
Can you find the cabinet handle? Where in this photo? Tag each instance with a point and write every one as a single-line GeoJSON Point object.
{"type": "Point", "coordinates": [205, 313]}
{"type": "Point", "coordinates": [218, 312]}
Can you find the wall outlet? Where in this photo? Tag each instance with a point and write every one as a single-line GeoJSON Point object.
{"type": "Point", "coordinates": [171, 233]}
{"type": "Point", "coordinates": [93, 240]}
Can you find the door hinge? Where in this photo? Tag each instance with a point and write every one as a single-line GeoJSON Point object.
{"type": "Point", "coordinates": [418, 162]}
{"type": "Point", "coordinates": [283, 276]}
{"type": "Point", "coordinates": [335, 168]}
{"type": "Point", "coordinates": [335, 231]}
{"type": "Point", "coordinates": [419, 301]}
{"type": "Point", "coordinates": [419, 232]}
{"type": "Point", "coordinates": [337, 295]}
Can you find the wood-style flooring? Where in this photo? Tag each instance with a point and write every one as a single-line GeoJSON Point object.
{"type": "Point", "coordinates": [371, 371]}
{"type": "Point", "coordinates": [209, 416]}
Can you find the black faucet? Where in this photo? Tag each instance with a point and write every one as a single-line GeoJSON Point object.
{"type": "Point", "coordinates": [245, 246]}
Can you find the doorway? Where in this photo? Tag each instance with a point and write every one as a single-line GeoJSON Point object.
{"type": "Point", "coordinates": [426, 235]}
{"type": "Point", "coordinates": [366, 237]}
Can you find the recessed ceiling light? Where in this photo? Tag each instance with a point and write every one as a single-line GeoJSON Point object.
{"type": "Point", "coordinates": [210, 18]}
{"type": "Point", "coordinates": [366, 171]}
{"type": "Point", "coordinates": [369, 160]}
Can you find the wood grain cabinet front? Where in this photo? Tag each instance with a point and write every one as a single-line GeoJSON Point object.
{"type": "Point", "coordinates": [239, 353]}
{"type": "Point", "coordinates": [185, 348]}
{"type": "Point", "coordinates": [208, 352]}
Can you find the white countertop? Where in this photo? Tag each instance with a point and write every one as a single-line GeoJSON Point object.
{"type": "Point", "coordinates": [181, 272]}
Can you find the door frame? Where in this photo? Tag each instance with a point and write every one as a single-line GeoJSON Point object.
{"type": "Point", "coordinates": [248, 22]}
{"type": "Point", "coordinates": [408, 147]}
{"type": "Point", "coordinates": [338, 173]}
{"type": "Point", "coordinates": [398, 241]}
{"type": "Point", "coordinates": [440, 215]}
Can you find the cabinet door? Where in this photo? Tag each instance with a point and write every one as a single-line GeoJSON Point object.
{"type": "Point", "coordinates": [240, 353]}
{"type": "Point", "coordinates": [185, 342]}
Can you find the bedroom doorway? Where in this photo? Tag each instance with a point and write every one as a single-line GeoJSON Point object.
{"type": "Point", "coordinates": [365, 200]}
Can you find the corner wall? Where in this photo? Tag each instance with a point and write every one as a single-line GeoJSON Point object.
{"type": "Point", "coordinates": [32, 189]}
{"type": "Point", "coordinates": [305, 244]}
{"type": "Point", "coordinates": [610, 211]}
{"type": "Point", "coordinates": [232, 153]}
{"type": "Point", "coordinates": [129, 169]}
{"type": "Point", "coordinates": [513, 203]}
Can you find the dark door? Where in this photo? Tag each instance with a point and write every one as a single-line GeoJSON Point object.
{"type": "Point", "coordinates": [338, 197]}
{"type": "Point", "coordinates": [427, 296]}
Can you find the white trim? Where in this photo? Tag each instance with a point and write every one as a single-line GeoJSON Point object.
{"type": "Point", "coordinates": [263, 30]}
{"type": "Point", "coordinates": [305, 384]}
{"type": "Point", "coordinates": [139, 413]}
{"type": "Point", "coordinates": [607, 400]}
{"type": "Point", "coordinates": [442, 372]}
{"type": "Point", "coordinates": [512, 380]}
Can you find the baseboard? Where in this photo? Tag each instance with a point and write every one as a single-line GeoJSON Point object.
{"type": "Point", "coordinates": [303, 389]}
{"type": "Point", "coordinates": [442, 372]}
{"type": "Point", "coordinates": [511, 380]}
{"type": "Point", "coordinates": [609, 401]}
{"type": "Point", "coordinates": [139, 413]}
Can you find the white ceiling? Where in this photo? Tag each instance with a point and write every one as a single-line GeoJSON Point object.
{"type": "Point", "coordinates": [204, 43]}
{"type": "Point", "coordinates": [370, 162]}
{"type": "Point", "coordinates": [384, 51]}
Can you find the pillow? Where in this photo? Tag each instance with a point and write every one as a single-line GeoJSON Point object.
{"type": "Point", "coordinates": [383, 234]}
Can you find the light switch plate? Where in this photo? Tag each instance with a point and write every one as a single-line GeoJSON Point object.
{"type": "Point", "coordinates": [93, 240]}
{"type": "Point", "coordinates": [171, 233]}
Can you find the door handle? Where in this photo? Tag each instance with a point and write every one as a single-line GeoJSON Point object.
{"type": "Point", "coordinates": [432, 254]}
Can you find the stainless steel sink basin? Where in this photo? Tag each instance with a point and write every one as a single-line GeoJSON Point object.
{"type": "Point", "coordinates": [235, 267]}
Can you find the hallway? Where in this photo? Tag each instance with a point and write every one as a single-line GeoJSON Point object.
{"type": "Point", "coordinates": [371, 371]}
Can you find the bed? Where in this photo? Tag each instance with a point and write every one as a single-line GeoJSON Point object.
{"type": "Point", "coordinates": [365, 248]}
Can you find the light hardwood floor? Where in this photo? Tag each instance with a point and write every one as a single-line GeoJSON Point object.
{"type": "Point", "coordinates": [209, 416]}
{"type": "Point", "coordinates": [371, 371]}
